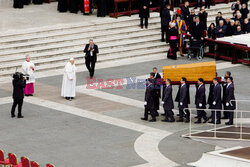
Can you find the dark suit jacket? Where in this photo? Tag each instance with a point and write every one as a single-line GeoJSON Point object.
{"type": "Point", "coordinates": [144, 12]}
{"type": "Point", "coordinates": [157, 85]}
{"type": "Point", "coordinates": [183, 97]}
{"type": "Point", "coordinates": [200, 97]}
{"type": "Point", "coordinates": [168, 99]}
{"type": "Point", "coordinates": [210, 96]}
{"type": "Point", "coordinates": [87, 55]}
{"type": "Point", "coordinates": [197, 30]}
{"type": "Point", "coordinates": [222, 33]}
{"type": "Point", "coordinates": [149, 96]}
{"type": "Point", "coordinates": [18, 86]}
{"type": "Point", "coordinates": [217, 97]}
{"type": "Point", "coordinates": [165, 17]}
{"type": "Point", "coordinates": [229, 97]}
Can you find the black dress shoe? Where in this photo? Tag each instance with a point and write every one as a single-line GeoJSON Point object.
{"type": "Point", "coordinates": [187, 121]}
{"type": "Point", "coordinates": [211, 122]}
{"type": "Point", "coordinates": [165, 120]}
{"type": "Point", "coordinates": [180, 120]}
{"type": "Point", "coordinates": [144, 119]}
{"type": "Point", "coordinates": [13, 116]}
{"type": "Point", "coordinates": [162, 40]}
{"type": "Point", "coordinates": [172, 120]}
{"type": "Point", "coordinates": [228, 123]}
{"type": "Point", "coordinates": [218, 122]}
{"type": "Point", "coordinates": [197, 122]}
{"type": "Point", "coordinates": [152, 120]}
{"type": "Point", "coordinates": [205, 120]}
{"type": "Point", "coordinates": [20, 116]}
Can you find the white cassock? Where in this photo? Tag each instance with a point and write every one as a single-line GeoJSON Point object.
{"type": "Point", "coordinates": [69, 81]}
{"type": "Point", "coordinates": [28, 71]}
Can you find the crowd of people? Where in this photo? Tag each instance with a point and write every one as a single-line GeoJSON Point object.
{"type": "Point", "coordinates": [215, 101]}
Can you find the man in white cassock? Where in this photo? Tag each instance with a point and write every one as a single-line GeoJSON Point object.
{"type": "Point", "coordinates": [28, 68]}
{"type": "Point", "coordinates": [69, 80]}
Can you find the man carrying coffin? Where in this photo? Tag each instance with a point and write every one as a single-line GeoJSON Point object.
{"type": "Point", "coordinates": [91, 51]}
{"type": "Point", "coordinates": [200, 101]}
{"type": "Point", "coordinates": [157, 89]}
{"type": "Point", "coordinates": [230, 100]}
{"type": "Point", "coordinates": [69, 80]}
{"type": "Point", "coordinates": [28, 68]}
{"type": "Point", "coordinates": [168, 103]}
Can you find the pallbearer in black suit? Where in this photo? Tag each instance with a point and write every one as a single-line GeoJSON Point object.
{"type": "Point", "coordinates": [230, 103]}
{"type": "Point", "coordinates": [224, 86]}
{"type": "Point", "coordinates": [200, 101]}
{"type": "Point", "coordinates": [216, 102]}
{"type": "Point", "coordinates": [149, 101]}
{"type": "Point", "coordinates": [91, 51]}
{"type": "Point", "coordinates": [144, 6]}
{"type": "Point", "coordinates": [157, 88]}
{"type": "Point", "coordinates": [168, 103]}
{"type": "Point", "coordinates": [183, 101]}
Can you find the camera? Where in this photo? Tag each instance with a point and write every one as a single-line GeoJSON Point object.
{"type": "Point", "coordinates": [19, 75]}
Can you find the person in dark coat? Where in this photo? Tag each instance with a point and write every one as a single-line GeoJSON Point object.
{"type": "Point", "coordinates": [197, 29]}
{"type": "Point", "coordinates": [244, 11]}
{"type": "Point", "coordinates": [217, 104]}
{"type": "Point", "coordinates": [185, 12]}
{"type": "Point", "coordinates": [211, 31]}
{"type": "Point", "coordinates": [165, 20]}
{"type": "Point", "coordinates": [207, 3]}
{"type": "Point", "coordinates": [220, 30]}
{"type": "Point", "coordinates": [168, 103]}
{"type": "Point", "coordinates": [200, 101]}
{"type": "Point", "coordinates": [203, 18]}
{"type": "Point", "coordinates": [102, 8]}
{"type": "Point", "coordinates": [74, 6]}
{"type": "Point", "coordinates": [183, 101]}
{"type": "Point", "coordinates": [144, 6]}
{"type": "Point", "coordinates": [230, 100]}
{"type": "Point", "coordinates": [149, 101]}
{"type": "Point", "coordinates": [18, 4]}
{"type": "Point", "coordinates": [218, 18]}
{"type": "Point", "coordinates": [238, 30]}
{"type": "Point", "coordinates": [173, 40]}
{"type": "Point", "coordinates": [191, 18]}
{"type": "Point", "coordinates": [224, 87]}
{"type": "Point", "coordinates": [91, 51]}
{"type": "Point", "coordinates": [62, 6]}
{"type": "Point", "coordinates": [231, 28]}
{"type": "Point", "coordinates": [26, 2]}
{"type": "Point", "coordinates": [163, 3]}
{"type": "Point", "coordinates": [246, 26]}
{"type": "Point", "coordinates": [198, 3]}
{"type": "Point", "coordinates": [157, 89]}
{"type": "Point", "coordinates": [19, 83]}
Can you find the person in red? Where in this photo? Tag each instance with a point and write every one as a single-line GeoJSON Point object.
{"type": "Point", "coordinates": [86, 7]}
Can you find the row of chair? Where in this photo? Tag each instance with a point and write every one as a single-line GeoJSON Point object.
{"type": "Point", "coordinates": [12, 161]}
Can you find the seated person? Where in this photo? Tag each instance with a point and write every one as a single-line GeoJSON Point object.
{"type": "Point", "coordinates": [238, 31]}
{"type": "Point", "coordinates": [220, 30]}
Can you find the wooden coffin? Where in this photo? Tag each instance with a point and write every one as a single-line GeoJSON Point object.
{"type": "Point", "coordinates": [194, 71]}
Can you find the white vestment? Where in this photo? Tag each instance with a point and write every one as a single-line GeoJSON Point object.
{"type": "Point", "coordinates": [69, 81]}
{"type": "Point", "coordinates": [28, 71]}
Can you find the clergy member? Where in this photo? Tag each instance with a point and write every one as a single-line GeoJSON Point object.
{"type": "Point", "coordinates": [28, 68]}
{"type": "Point", "coordinates": [69, 80]}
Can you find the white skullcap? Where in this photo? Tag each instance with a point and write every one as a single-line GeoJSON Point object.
{"type": "Point", "coordinates": [71, 59]}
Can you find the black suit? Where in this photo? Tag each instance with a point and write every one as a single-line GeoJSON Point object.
{"type": "Point", "coordinates": [144, 13]}
{"type": "Point", "coordinates": [230, 104]}
{"type": "Point", "coordinates": [197, 30]}
{"type": "Point", "coordinates": [183, 99]}
{"type": "Point", "coordinates": [210, 96]}
{"type": "Point", "coordinates": [149, 98]}
{"type": "Point", "coordinates": [18, 96]}
{"type": "Point", "coordinates": [218, 103]}
{"type": "Point", "coordinates": [157, 90]}
{"type": "Point", "coordinates": [200, 101]}
{"type": "Point", "coordinates": [168, 102]}
{"type": "Point", "coordinates": [224, 87]}
{"type": "Point", "coordinates": [165, 19]}
{"type": "Point", "coordinates": [91, 58]}
{"type": "Point", "coordinates": [185, 13]}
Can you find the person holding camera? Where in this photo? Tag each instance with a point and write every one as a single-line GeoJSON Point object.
{"type": "Point", "coordinates": [28, 68]}
{"type": "Point", "coordinates": [91, 51]}
{"type": "Point", "coordinates": [19, 83]}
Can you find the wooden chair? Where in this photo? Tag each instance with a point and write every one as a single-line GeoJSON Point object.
{"type": "Point", "coordinates": [34, 164]}
{"type": "Point", "coordinates": [50, 165]}
{"type": "Point", "coordinates": [3, 161]}
{"type": "Point", "coordinates": [13, 160]}
{"type": "Point", "coordinates": [25, 162]}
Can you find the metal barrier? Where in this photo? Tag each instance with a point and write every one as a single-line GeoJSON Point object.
{"type": "Point", "coordinates": [193, 131]}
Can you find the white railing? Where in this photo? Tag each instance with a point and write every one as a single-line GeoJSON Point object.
{"type": "Point", "coordinates": [214, 130]}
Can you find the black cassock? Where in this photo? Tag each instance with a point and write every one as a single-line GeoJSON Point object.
{"type": "Point", "coordinates": [62, 5]}
{"type": "Point", "coordinates": [173, 39]}
{"type": "Point", "coordinates": [102, 8]}
{"type": "Point", "coordinates": [74, 6]}
{"type": "Point", "coordinates": [38, 2]}
{"type": "Point", "coordinates": [18, 4]}
{"type": "Point", "coordinates": [26, 2]}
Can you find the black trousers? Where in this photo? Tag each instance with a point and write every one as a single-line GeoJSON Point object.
{"type": "Point", "coordinates": [146, 21]}
{"type": "Point", "coordinates": [201, 114]}
{"type": "Point", "coordinates": [184, 113]}
{"type": "Point", "coordinates": [164, 32]}
{"type": "Point", "coordinates": [218, 115]}
{"type": "Point", "coordinates": [169, 114]}
{"type": "Point", "coordinates": [90, 64]}
{"type": "Point", "coordinates": [231, 116]}
{"type": "Point", "coordinates": [198, 3]}
{"type": "Point", "coordinates": [207, 4]}
{"type": "Point", "coordinates": [15, 103]}
{"type": "Point", "coordinates": [152, 112]}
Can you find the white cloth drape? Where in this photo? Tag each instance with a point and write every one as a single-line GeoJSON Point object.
{"type": "Point", "coordinates": [28, 71]}
{"type": "Point", "coordinates": [69, 81]}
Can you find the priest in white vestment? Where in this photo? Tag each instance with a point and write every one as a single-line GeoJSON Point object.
{"type": "Point", "coordinates": [69, 80]}
{"type": "Point", "coordinates": [28, 69]}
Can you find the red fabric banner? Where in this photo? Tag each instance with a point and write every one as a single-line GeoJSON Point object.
{"type": "Point", "coordinates": [86, 6]}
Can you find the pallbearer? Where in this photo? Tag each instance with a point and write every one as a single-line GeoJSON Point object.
{"type": "Point", "coordinates": [200, 101]}
{"type": "Point", "coordinates": [230, 100]}
{"type": "Point", "coordinates": [168, 103]}
{"type": "Point", "coordinates": [157, 89]}
{"type": "Point", "coordinates": [69, 80]}
{"type": "Point", "coordinates": [224, 87]}
{"type": "Point", "coordinates": [28, 68]}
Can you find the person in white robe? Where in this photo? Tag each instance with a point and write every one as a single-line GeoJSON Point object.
{"type": "Point", "coordinates": [69, 80]}
{"type": "Point", "coordinates": [28, 69]}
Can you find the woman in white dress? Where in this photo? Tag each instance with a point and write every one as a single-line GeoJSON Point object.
{"type": "Point", "coordinates": [69, 80]}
